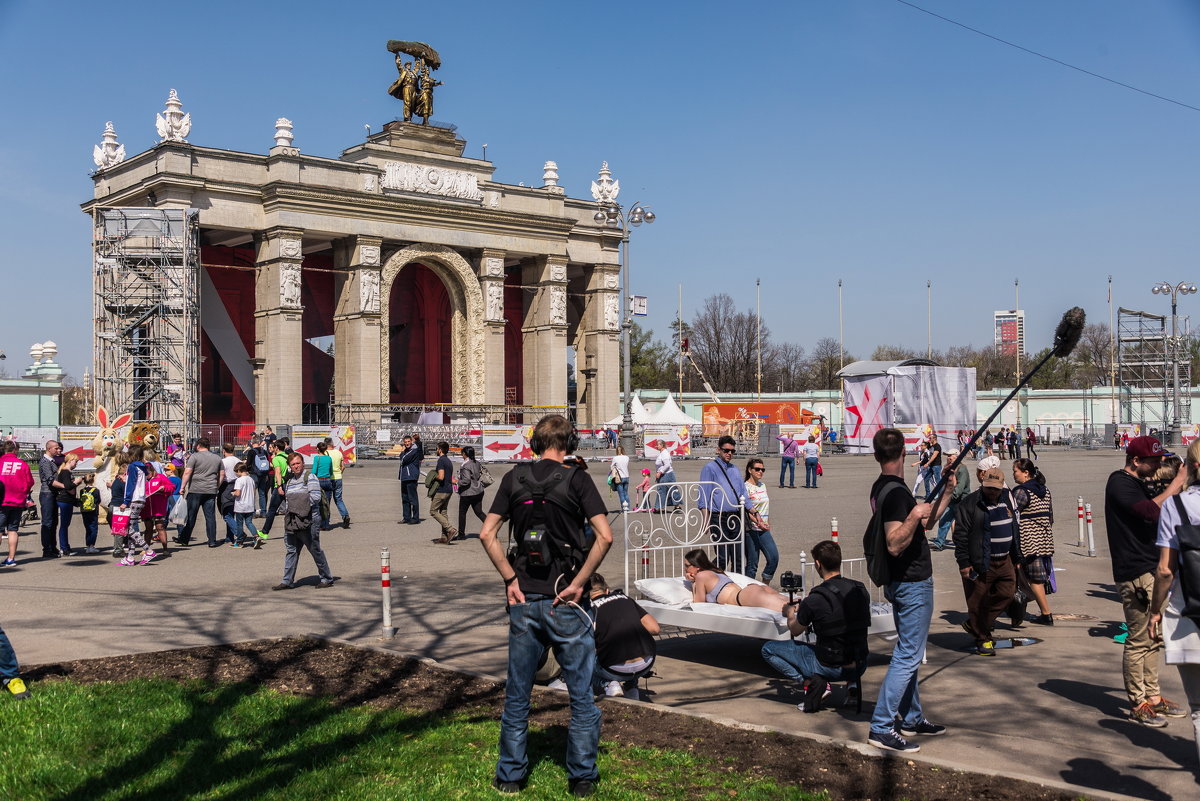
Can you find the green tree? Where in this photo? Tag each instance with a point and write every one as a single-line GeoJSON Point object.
{"type": "Point", "coordinates": [650, 360]}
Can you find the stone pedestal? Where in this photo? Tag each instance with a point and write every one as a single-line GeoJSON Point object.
{"type": "Point", "coordinates": [357, 324]}
{"type": "Point", "coordinates": [278, 333]}
{"type": "Point", "coordinates": [545, 332]}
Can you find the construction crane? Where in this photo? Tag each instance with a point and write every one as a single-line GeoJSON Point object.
{"type": "Point", "coordinates": [683, 346]}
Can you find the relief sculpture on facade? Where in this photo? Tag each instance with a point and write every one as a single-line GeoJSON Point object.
{"type": "Point", "coordinates": [289, 285]}
{"type": "Point", "coordinates": [495, 301]}
{"type": "Point", "coordinates": [558, 305]}
{"type": "Point", "coordinates": [612, 314]}
{"type": "Point", "coordinates": [368, 291]}
{"type": "Point", "coordinates": [427, 180]}
{"type": "Point", "coordinates": [369, 255]}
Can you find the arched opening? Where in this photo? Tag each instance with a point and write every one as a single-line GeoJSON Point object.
{"type": "Point", "coordinates": [418, 331]}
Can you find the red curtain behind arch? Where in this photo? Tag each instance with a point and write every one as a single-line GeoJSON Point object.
{"type": "Point", "coordinates": [419, 337]}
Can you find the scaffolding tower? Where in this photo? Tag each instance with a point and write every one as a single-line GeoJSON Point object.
{"type": "Point", "coordinates": [146, 313]}
{"type": "Point", "coordinates": [1146, 356]}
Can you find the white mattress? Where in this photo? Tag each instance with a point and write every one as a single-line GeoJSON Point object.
{"type": "Point", "coordinates": [748, 621]}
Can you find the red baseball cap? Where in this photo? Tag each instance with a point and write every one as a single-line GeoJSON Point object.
{"type": "Point", "coordinates": [1144, 448]}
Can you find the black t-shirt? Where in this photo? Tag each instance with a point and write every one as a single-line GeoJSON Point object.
{"type": "Point", "coordinates": [558, 521]}
{"type": "Point", "coordinates": [67, 479]}
{"type": "Point", "coordinates": [914, 562]}
{"type": "Point", "coordinates": [1132, 526]}
{"type": "Point", "coordinates": [620, 635]}
{"type": "Point", "coordinates": [935, 455]}
{"type": "Point", "coordinates": [816, 610]}
{"type": "Point", "coordinates": [444, 463]}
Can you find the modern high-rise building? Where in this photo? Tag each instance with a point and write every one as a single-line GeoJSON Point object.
{"type": "Point", "coordinates": [1010, 330]}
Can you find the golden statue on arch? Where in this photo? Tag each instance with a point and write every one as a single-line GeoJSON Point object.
{"type": "Point", "coordinates": [414, 85]}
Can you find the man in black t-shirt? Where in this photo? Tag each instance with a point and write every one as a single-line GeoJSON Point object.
{"type": "Point", "coordinates": [1131, 517]}
{"type": "Point", "coordinates": [840, 653]}
{"type": "Point", "coordinates": [440, 501]}
{"type": "Point", "coordinates": [624, 640]}
{"type": "Point", "coordinates": [544, 580]}
{"type": "Point", "coordinates": [933, 466]}
{"type": "Point", "coordinates": [910, 592]}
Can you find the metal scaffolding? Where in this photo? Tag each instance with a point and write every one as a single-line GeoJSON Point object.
{"type": "Point", "coordinates": [1146, 354]}
{"type": "Point", "coordinates": [146, 313]}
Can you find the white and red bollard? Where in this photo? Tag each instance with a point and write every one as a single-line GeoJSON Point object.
{"type": "Point", "coordinates": [833, 529]}
{"type": "Point", "coordinates": [1079, 542]}
{"type": "Point", "coordinates": [645, 561]}
{"type": "Point", "coordinates": [1091, 540]}
{"type": "Point", "coordinates": [385, 573]}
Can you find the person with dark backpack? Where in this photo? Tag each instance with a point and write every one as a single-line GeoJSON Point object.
{"type": "Point", "coordinates": [838, 610]}
{"type": "Point", "coordinates": [301, 510]}
{"type": "Point", "coordinates": [1175, 604]}
{"type": "Point", "coordinates": [545, 576]}
{"type": "Point", "coordinates": [898, 559]}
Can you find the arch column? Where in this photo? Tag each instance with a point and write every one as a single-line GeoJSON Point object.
{"type": "Point", "coordinates": [598, 356]}
{"type": "Point", "coordinates": [466, 338]}
{"type": "Point", "coordinates": [278, 330]}
{"type": "Point", "coordinates": [357, 329]}
{"type": "Point", "coordinates": [491, 280]}
{"type": "Point", "coordinates": [544, 349]}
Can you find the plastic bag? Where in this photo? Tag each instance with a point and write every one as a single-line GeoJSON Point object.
{"type": "Point", "coordinates": [120, 522]}
{"type": "Point", "coordinates": [178, 514]}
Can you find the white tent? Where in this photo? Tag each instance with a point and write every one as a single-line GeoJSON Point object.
{"type": "Point", "coordinates": [637, 411]}
{"type": "Point", "coordinates": [669, 413]}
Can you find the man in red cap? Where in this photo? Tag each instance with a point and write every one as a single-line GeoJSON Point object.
{"type": "Point", "coordinates": [1131, 517]}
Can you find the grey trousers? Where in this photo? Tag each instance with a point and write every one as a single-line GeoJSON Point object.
{"type": "Point", "coordinates": [293, 541]}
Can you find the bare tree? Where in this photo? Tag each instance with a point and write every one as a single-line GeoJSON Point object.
{"type": "Point", "coordinates": [724, 342]}
{"type": "Point", "coordinates": [892, 353]}
{"type": "Point", "coordinates": [827, 358]}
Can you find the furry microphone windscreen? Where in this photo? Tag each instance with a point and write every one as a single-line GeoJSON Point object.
{"type": "Point", "coordinates": [1070, 329]}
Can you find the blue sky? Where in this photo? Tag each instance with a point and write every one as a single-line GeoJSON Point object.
{"type": "Point", "coordinates": [799, 142]}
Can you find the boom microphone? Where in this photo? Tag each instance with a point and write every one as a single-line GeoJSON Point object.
{"type": "Point", "coordinates": [1070, 329]}
{"type": "Point", "coordinates": [1066, 337]}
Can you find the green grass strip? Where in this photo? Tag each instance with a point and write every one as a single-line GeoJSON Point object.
{"type": "Point", "coordinates": [151, 740]}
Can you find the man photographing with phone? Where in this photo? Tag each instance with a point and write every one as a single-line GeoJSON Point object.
{"type": "Point", "coordinates": [545, 575]}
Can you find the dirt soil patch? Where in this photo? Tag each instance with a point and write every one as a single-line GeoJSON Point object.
{"type": "Point", "coordinates": [351, 675]}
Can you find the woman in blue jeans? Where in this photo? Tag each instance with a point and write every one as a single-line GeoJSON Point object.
{"type": "Point", "coordinates": [758, 536]}
{"type": "Point", "coordinates": [66, 485]}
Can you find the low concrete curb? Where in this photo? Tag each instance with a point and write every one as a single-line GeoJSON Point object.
{"type": "Point", "coordinates": [858, 747]}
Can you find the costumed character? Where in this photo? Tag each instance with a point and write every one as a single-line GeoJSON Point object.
{"type": "Point", "coordinates": [106, 446]}
{"type": "Point", "coordinates": [146, 435]}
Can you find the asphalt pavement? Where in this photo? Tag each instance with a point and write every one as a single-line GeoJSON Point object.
{"type": "Point", "coordinates": [1054, 710]}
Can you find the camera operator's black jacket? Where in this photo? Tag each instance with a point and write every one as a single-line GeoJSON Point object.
{"type": "Point", "coordinates": [972, 545]}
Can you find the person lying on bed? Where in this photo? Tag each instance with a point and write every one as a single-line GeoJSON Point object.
{"type": "Point", "coordinates": [711, 585]}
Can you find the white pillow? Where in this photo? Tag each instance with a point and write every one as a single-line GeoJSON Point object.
{"type": "Point", "coordinates": [669, 591]}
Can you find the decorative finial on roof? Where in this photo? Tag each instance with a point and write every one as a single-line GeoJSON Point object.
{"type": "Point", "coordinates": [109, 152]}
{"type": "Point", "coordinates": [172, 124]}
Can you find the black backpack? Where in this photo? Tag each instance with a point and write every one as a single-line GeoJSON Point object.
{"type": "Point", "coordinates": [1189, 563]}
{"type": "Point", "coordinates": [875, 541]}
{"type": "Point", "coordinates": [528, 523]}
{"type": "Point", "coordinates": [842, 637]}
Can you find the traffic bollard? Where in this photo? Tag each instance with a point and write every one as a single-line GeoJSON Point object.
{"type": "Point", "coordinates": [1079, 541]}
{"type": "Point", "coordinates": [385, 572]}
{"type": "Point", "coordinates": [833, 529]}
{"type": "Point", "coordinates": [1091, 540]}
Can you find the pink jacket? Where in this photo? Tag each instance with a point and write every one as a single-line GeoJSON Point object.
{"type": "Point", "coordinates": [17, 479]}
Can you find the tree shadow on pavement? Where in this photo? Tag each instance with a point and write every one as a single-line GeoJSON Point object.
{"type": "Point", "coordinates": [1095, 773]}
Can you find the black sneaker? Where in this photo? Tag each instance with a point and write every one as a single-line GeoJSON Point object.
{"type": "Point", "coordinates": [892, 741]}
{"type": "Point", "coordinates": [581, 787]}
{"type": "Point", "coordinates": [986, 648]}
{"type": "Point", "coordinates": [346, 522]}
{"type": "Point", "coordinates": [282, 586]}
{"type": "Point", "coordinates": [506, 787]}
{"type": "Point", "coordinates": [923, 727]}
{"type": "Point", "coordinates": [1043, 620]}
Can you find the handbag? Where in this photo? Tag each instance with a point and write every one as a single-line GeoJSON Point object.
{"type": "Point", "coordinates": [485, 478]}
{"type": "Point", "coordinates": [820, 470]}
{"type": "Point", "coordinates": [119, 523]}
{"type": "Point", "coordinates": [178, 515]}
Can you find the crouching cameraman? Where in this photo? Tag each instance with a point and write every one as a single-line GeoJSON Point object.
{"type": "Point", "coordinates": [839, 612]}
{"type": "Point", "coordinates": [544, 577]}
{"type": "Point", "coordinates": [624, 641]}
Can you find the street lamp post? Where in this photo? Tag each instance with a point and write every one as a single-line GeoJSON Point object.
{"type": "Point", "coordinates": [613, 215]}
{"type": "Point", "coordinates": [1174, 428]}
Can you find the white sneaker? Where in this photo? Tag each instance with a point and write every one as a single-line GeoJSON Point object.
{"type": "Point", "coordinates": [557, 684]}
{"type": "Point", "coordinates": [92, 550]}
{"type": "Point", "coordinates": [613, 688]}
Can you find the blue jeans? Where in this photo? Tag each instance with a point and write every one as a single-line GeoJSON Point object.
{"type": "Point", "coordinates": [810, 471]}
{"type": "Point", "coordinates": [91, 527]}
{"type": "Point", "coordinates": [532, 627]}
{"type": "Point", "coordinates": [798, 661]}
{"type": "Point", "coordinates": [337, 498]}
{"type": "Point", "coordinates": [912, 610]}
{"type": "Point", "coordinates": [195, 502]}
{"type": "Point", "coordinates": [789, 463]}
{"type": "Point", "coordinates": [408, 501]}
{"type": "Point", "coordinates": [667, 494]}
{"type": "Point", "coordinates": [761, 542]}
{"type": "Point", "coordinates": [944, 522]}
{"type": "Point", "coordinates": [48, 509]}
{"type": "Point", "coordinates": [932, 476]}
{"type": "Point", "coordinates": [65, 512]}
{"type": "Point", "coordinates": [232, 530]}
{"type": "Point", "coordinates": [8, 658]}
{"type": "Point", "coordinates": [244, 521]}
{"type": "Point", "coordinates": [622, 491]}
{"type": "Point", "coordinates": [264, 485]}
